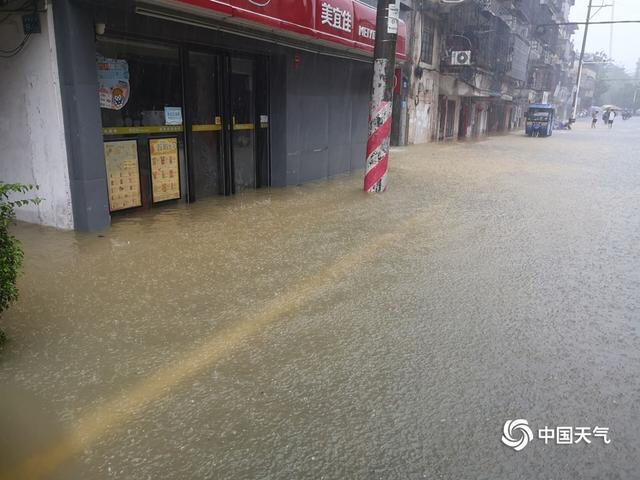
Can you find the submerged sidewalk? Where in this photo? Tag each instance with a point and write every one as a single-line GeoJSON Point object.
{"type": "Point", "coordinates": [317, 331]}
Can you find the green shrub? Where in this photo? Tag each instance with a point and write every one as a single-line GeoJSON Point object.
{"type": "Point", "coordinates": [10, 249]}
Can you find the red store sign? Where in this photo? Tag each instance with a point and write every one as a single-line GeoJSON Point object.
{"type": "Point", "coordinates": [348, 23]}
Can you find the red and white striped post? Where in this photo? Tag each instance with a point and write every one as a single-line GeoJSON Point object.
{"type": "Point", "coordinates": [384, 56]}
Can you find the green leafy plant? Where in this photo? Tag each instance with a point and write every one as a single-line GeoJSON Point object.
{"type": "Point", "coordinates": [11, 254]}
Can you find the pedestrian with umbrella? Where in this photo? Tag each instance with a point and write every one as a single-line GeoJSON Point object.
{"type": "Point", "coordinates": [610, 113]}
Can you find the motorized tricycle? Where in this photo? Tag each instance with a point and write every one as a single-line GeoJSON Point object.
{"type": "Point", "coordinates": [540, 119]}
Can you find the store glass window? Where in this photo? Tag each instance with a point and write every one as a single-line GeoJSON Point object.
{"type": "Point", "coordinates": [140, 97]}
{"type": "Point", "coordinates": [147, 84]}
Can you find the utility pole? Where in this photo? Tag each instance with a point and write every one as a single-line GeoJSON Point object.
{"type": "Point", "coordinates": [380, 107]}
{"type": "Point", "coordinates": [576, 95]}
{"type": "Point", "coordinates": [637, 89]}
{"type": "Point", "coordinates": [613, 14]}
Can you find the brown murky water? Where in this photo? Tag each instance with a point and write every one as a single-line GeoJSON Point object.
{"type": "Point", "coordinates": [316, 332]}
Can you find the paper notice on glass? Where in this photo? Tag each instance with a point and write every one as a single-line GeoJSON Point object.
{"type": "Point", "coordinates": [123, 175]}
{"type": "Point", "coordinates": [172, 115]}
{"type": "Point", "coordinates": [165, 170]}
{"type": "Point", "coordinates": [394, 15]}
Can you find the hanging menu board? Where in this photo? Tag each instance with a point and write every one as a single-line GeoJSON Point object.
{"type": "Point", "coordinates": [123, 174]}
{"type": "Point", "coordinates": [165, 170]}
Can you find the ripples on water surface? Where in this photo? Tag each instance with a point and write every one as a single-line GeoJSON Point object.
{"type": "Point", "coordinates": [508, 286]}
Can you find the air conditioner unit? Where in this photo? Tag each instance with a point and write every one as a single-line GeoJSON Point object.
{"type": "Point", "coordinates": [461, 57]}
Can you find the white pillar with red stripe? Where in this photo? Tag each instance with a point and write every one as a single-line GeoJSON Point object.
{"type": "Point", "coordinates": [380, 108]}
{"type": "Point", "coordinates": [377, 165]}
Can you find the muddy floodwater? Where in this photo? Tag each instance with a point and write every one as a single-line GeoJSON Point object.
{"type": "Point", "coordinates": [317, 332]}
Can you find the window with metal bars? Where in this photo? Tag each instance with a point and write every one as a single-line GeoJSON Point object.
{"type": "Point", "coordinates": [426, 45]}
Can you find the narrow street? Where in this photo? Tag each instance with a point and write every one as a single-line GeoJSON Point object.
{"type": "Point", "coordinates": [318, 332]}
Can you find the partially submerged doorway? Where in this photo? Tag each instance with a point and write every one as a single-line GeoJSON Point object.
{"type": "Point", "coordinates": [227, 123]}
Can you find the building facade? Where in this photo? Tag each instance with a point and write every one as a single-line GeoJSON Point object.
{"type": "Point", "coordinates": [131, 105]}
{"type": "Point", "coordinates": [117, 106]}
{"type": "Point", "coordinates": [473, 66]}
{"type": "Point", "coordinates": [33, 147]}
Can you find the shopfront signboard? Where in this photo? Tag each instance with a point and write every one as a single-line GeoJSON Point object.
{"type": "Point", "coordinates": [123, 174]}
{"type": "Point", "coordinates": [349, 24]}
{"type": "Point", "coordinates": [165, 169]}
{"type": "Point", "coordinates": [334, 20]}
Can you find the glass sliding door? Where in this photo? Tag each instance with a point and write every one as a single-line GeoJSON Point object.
{"type": "Point", "coordinates": [243, 122]}
{"type": "Point", "coordinates": [205, 124]}
{"type": "Point", "coordinates": [228, 127]}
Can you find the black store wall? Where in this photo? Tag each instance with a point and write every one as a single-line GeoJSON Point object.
{"type": "Point", "coordinates": [327, 110]}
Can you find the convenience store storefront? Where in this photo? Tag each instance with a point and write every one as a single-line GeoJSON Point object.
{"type": "Point", "coordinates": [201, 98]}
{"type": "Point", "coordinates": [181, 125]}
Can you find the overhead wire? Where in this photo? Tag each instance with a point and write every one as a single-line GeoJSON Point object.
{"type": "Point", "coordinates": [16, 50]}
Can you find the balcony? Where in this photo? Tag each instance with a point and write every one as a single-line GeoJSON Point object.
{"type": "Point", "coordinates": [555, 8]}
{"type": "Point", "coordinates": [525, 10]}
{"type": "Point", "coordinates": [487, 36]}
{"type": "Point", "coordinates": [518, 59]}
{"type": "Point", "coordinates": [542, 79]}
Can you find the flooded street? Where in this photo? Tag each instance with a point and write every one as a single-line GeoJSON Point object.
{"type": "Point", "coordinates": [317, 332]}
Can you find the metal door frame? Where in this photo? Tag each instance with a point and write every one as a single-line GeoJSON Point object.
{"type": "Point", "coordinates": [223, 86]}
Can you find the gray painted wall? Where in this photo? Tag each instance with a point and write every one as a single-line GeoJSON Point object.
{"type": "Point", "coordinates": [327, 111]}
{"type": "Point", "coordinates": [83, 126]}
{"type": "Point", "coordinates": [32, 141]}
{"type": "Point", "coordinates": [278, 118]}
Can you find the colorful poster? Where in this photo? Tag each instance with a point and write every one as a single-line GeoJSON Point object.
{"type": "Point", "coordinates": [123, 174]}
{"type": "Point", "coordinates": [113, 82]}
{"type": "Point", "coordinates": [165, 170]}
